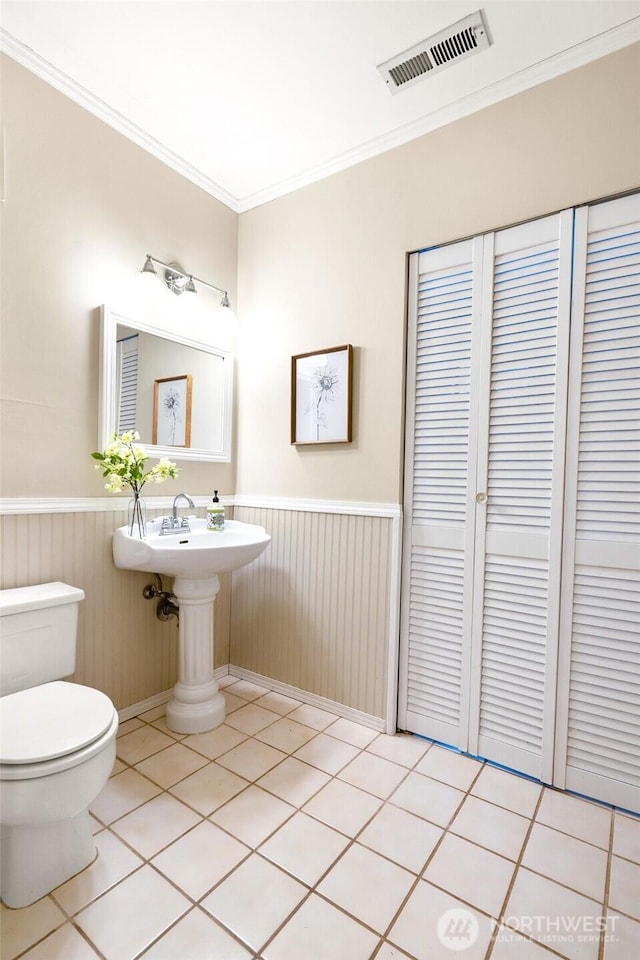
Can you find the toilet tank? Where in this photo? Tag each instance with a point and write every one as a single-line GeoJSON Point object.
{"type": "Point", "coordinates": [38, 627]}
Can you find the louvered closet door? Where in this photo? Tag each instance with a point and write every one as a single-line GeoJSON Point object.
{"type": "Point", "coordinates": [439, 489]}
{"type": "Point", "coordinates": [525, 319]}
{"type": "Point", "coordinates": [598, 739]}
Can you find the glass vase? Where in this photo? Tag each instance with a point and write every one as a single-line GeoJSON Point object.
{"type": "Point", "coordinates": [137, 518]}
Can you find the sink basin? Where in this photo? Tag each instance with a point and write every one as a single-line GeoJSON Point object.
{"type": "Point", "coordinates": [194, 555]}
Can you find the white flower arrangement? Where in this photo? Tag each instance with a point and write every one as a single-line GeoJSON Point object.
{"type": "Point", "coordinates": [123, 464]}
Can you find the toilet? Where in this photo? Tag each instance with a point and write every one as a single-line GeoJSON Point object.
{"type": "Point", "coordinates": [57, 744]}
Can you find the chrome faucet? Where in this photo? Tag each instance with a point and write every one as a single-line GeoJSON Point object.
{"type": "Point", "coordinates": [175, 524]}
{"type": "Point", "coordinates": [180, 496]}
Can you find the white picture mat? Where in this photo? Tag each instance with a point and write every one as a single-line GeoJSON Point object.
{"type": "Point", "coordinates": [322, 389]}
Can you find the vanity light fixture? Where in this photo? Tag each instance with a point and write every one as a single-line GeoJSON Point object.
{"type": "Point", "coordinates": [179, 281]}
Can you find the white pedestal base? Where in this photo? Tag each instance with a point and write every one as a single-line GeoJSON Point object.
{"type": "Point", "coordinates": [186, 717]}
{"type": "Point", "coordinates": [197, 704]}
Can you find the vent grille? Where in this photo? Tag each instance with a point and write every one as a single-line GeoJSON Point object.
{"type": "Point", "coordinates": [461, 40]}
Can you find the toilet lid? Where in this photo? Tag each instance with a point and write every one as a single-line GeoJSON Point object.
{"type": "Point", "coordinates": [51, 720]}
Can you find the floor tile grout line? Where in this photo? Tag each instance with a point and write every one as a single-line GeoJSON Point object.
{"type": "Point", "coordinates": [193, 902]}
{"type": "Point", "coordinates": [310, 889]}
{"type": "Point", "coordinates": [182, 917]}
{"type": "Point", "coordinates": [559, 883]}
{"type": "Point", "coordinates": [283, 924]}
{"type": "Point", "coordinates": [512, 882]}
{"type": "Point", "coordinates": [203, 816]}
{"type": "Point", "coordinates": [619, 856]}
{"type": "Point", "coordinates": [67, 920]}
{"type": "Point", "coordinates": [148, 861]}
{"type": "Point", "coordinates": [352, 840]}
{"type": "Point", "coordinates": [134, 766]}
{"type": "Point", "coordinates": [244, 733]}
{"type": "Point", "coordinates": [256, 850]}
{"type": "Point", "coordinates": [298, 807]}
{"type": "Point", "coordinates": [497, 921]}
{"type": "Point", "coordinates": [332, 903]}
{"type": "Point", "coordinates": [351, 843]}
{"type": "Point", "coordinates": [572, 836]}
{"type": "Point", "coordinates": [256, 699]}
{"type": "Point", "coordinates": [445, 830]}
{"type": "Point", "coordinates": [607, 885]}
{"type": "Point", "coordinates": [521, 866]}
{"type": "Point", "coordinates": [197, 905]}
{"type": "Point", "coordinates": [247, 736]}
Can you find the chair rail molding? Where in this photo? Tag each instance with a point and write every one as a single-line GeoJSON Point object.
{"type": "Point", "coordinates": [13, 505]}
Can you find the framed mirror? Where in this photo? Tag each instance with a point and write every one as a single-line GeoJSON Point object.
{"type": "Point", "coordinates": [173, 389]}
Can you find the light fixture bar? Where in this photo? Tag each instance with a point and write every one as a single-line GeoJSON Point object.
{"type": "Point", "coordinates": [187, 276]}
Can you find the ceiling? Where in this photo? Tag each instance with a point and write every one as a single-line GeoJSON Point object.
{"type": "Point", "coordinates": [251, 99]}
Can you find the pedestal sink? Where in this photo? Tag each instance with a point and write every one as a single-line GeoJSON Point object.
{"type": "Point", "coordinates": [194, 558]}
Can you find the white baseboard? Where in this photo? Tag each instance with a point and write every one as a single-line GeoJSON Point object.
{"type": "Point", "coordinates": [323, 703]}
{"type": "Point", "coordinates": [331, 706]}
{"type": "Point", "coordinates": [135, 709]}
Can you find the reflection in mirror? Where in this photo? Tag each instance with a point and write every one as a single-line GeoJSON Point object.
{"type": "Point", "coordinates": [174, 390]}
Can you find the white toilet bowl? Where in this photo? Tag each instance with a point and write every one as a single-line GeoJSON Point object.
{"type": "Point", "coordinates": [57, 749]}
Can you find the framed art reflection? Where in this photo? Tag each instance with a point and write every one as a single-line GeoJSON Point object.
{"type": "Point", "coordinates": [172, 411]}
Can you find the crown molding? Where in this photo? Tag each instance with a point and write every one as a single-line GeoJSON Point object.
{"type": "Point", "coordinates": [578, 56]}
{"type": "Point", "coordinates": [581, 54]}
{"type": "Point", "coordinates": [56, 78]}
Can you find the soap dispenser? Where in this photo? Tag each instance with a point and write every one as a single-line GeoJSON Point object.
{"type": "Point", "coordinates": [215, 514]}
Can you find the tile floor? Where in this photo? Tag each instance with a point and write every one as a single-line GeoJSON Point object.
{"type": "Point", "coordinates": [291, 834]}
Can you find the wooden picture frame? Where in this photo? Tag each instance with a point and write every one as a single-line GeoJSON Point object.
{"type": "Point", "coordinates": [321, 396]}
{"type": "Point", "coordinates": [172, 411]}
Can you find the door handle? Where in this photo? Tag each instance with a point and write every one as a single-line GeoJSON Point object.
{"type": "Point", "coordinates": [481, 498]}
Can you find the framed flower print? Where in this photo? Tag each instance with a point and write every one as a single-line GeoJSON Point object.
{"type": "Point", "coordinates": [321, 389]}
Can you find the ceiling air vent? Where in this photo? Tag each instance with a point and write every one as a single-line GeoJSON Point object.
{"type": "Point", "coordinates": [459, 41]}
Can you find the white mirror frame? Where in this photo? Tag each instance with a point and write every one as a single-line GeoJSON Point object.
{"type": "Point", "coordinates": [108, 399]}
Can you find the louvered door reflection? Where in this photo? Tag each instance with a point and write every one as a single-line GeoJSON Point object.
{"type": "Point", "coordinates": [438, 546]}
{"type": "Point", "coordinates": [525, 318]}
{"type": "Point", "coordinates": [598, 738]}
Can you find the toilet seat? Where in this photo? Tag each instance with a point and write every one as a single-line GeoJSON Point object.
{"type": "Point", "coordinates": [52, 726]}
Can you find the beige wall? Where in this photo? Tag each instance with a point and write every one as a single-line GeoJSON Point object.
{"type": "Point", "coordinates": [326, 265]}
{"type": "Point", "coordinates": [321, 267]}
{"type": "Point", "coordinates": [83, 207]}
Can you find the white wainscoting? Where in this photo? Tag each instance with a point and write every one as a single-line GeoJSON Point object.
{"type": "Point", "coordinates": [317, 613]}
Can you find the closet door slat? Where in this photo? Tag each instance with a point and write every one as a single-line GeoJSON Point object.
{"type": "Point", "coordinates": [436, 592]}
{"type": "Point", "coordinates": [598, 722]}
{"type": "Point", "coordinates": [527, 281]}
